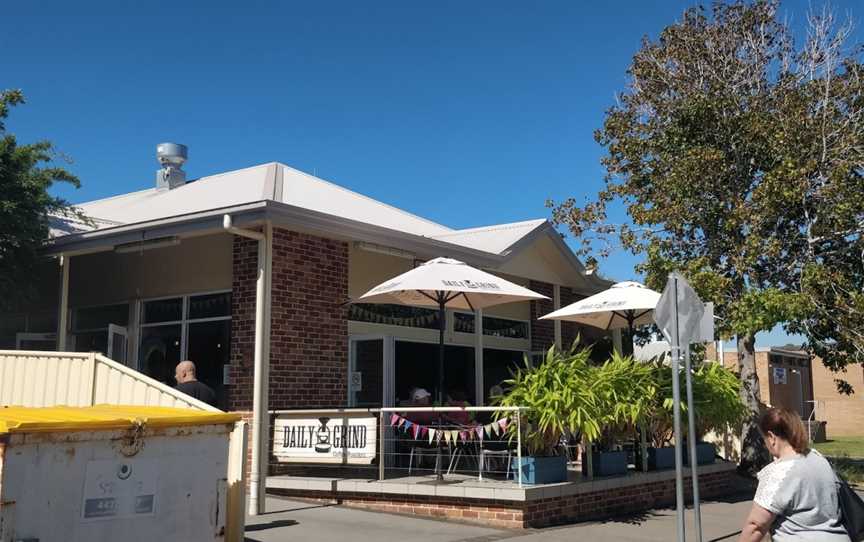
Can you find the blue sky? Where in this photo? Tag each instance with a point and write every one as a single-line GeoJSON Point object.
{"type": "Point", "coordinates": [467, 113]}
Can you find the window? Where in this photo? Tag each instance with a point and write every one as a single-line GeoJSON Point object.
{"type": "Point", "coordinates": [503, 327]}
{"type": "Point", "coordinates": [417, 367]}
{"type": "Point", "coordinates": [195, 327]}
{"type": "Point", "coordinates": [394, 315]}
{"type": "Point", "coordinates": [498, 365]}
{"type": "Point", "coordinates": [90, 325]}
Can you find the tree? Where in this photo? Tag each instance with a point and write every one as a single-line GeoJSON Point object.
{"type": "Point", "coordinates": [738, 160]}
{"type": "Point", "coordinates": [25, 206]}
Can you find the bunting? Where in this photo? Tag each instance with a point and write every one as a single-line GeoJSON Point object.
{"type": "Point", "coordinates": [477, 432]}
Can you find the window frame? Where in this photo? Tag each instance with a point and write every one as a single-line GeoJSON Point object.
{"type": "Point", "coordinates": [184, 318]}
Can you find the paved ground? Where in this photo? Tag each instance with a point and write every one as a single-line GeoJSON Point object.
{"type": "Point", "coordinates": [293, 520]}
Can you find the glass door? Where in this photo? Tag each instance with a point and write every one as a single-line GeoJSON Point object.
{"type": "Point", "coordinates": [366, 373]}
{"type": "Point", "coordinates": [118, 340]}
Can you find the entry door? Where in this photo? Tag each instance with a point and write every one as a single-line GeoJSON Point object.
{"type": "Point", "coordinates": [366, 375]}
{"type": "Point", "coordinates": [118, 341]}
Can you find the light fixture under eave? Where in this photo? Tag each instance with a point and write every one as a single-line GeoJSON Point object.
{"type": "Point", "coordinates": [140, 246]}
{"type": "Point", "coordinates": [381, 249]}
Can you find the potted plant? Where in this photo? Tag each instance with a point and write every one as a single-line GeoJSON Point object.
{"type": "Point", "coordinates": [718, 406]}
{"type": "Point", "coordinates": [559, 401]}
{"type": "Point", "coordinates": [625, 392]}
{"type": "Point", "coordinates": [565, 394]}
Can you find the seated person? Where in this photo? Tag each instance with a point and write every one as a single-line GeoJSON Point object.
{"type": "Point", "coordinates": [457, 398]}
{"type": "Point", "coordinates": [420, 398]}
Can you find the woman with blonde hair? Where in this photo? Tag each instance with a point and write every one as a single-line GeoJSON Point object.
{"type": "Point", "coordinates": [797, 494]}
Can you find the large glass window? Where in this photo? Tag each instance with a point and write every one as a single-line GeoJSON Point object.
{"type": "Point", "coordinates": [498, 366]}
{"type": "Point", "coordinates": [417, 367]}
{"type": "Point", "coordinates": [197, 328]}
{"type": "Point", "coordinates": [90, 325]}
{"type": "Point", "coordinates": [504, 327]}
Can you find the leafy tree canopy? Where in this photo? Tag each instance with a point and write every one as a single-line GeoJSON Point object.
{"type": "Point", "coordinates": [26, 174]}
{"type": "Point", "coordinates": [738, 157]}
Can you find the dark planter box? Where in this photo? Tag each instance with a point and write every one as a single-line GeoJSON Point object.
{"type": "Point", "coordinates": [541, 470]}
{"type": "Point", "coordinates": [607, 463]}
{"type": "Point", "coordinates": [661, 458]}
{"type": "Point", "coordinates": [705, 454]}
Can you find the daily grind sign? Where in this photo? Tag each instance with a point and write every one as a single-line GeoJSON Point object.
{"type": "Point", "coordinates": [343, 439]}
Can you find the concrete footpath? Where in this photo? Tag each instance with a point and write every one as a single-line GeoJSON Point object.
{"type": "Point", "coordinates": [294, 520]}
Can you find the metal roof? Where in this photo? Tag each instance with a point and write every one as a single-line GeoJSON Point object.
{"type": "Point", "coordinates": [496, 239]}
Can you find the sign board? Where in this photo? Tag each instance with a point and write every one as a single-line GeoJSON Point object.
{"type": "Point", "coordinates": [780, 376]}
{"type": "Point", "coordinates": [356, 381]}
{"type": "Point", "coordinates": [679, 303]}
{"type": "Point", "coordinates": [115, 489]}
{"type": "Point", "coordinates": [706, 325]}
{"type": "Point", "coordinates": [345, 438]}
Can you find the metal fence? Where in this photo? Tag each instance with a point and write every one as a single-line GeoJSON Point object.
{"type": "Point", "coordinates": [437, 443]}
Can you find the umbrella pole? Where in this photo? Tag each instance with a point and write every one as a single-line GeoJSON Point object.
{"type": "Point", "coordinates": [440, 392]}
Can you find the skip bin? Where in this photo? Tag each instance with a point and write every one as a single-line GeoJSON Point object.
{"type": "Point", "coordinates": [109, 473]}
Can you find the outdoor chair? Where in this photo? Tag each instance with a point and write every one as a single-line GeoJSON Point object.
{"type": "Point", "coordinates": [495, 449]}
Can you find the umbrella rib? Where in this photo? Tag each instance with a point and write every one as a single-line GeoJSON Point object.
{"type": "Point", "coordinates": [469, 302]}
{"type": "Point", "coordinates": [611, 317]}
{"type": "Point", "coordinates": [424, 294]}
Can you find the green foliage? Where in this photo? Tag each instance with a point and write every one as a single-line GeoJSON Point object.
{"type": "Point", "coordinates": [567, 395]}
{"type": "Point", "coordinates": [25, 205]}
{"type": "Point", "coordinates": [716, 391]}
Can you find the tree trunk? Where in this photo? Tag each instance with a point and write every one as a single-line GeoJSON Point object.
{"type": "Point", "coordinates": [754, 455]}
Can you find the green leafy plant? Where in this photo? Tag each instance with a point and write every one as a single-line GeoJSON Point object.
{"type": "Point", "coordinates": [567, 395]}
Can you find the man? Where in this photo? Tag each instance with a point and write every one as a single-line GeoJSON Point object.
{"type": "Point", "coordinates": [184, 374]}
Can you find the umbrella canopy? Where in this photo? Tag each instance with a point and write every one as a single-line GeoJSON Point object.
{"type": "Point", "coordinates": [442, 283]}
{"type": "Point", "coordinates": [624, 305]}
{"type": "Point", "coordinates": [460, 285]}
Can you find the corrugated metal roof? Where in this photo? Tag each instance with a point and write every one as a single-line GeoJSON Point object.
{"type": "Point", "coordinates": [62, 418]}
{"type": "Point", "coordinates": [495, 239]}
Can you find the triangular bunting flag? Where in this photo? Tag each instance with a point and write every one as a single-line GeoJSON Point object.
{"type": "Point", "coordinates": [454, 436]}
{"type": "Point", "coordinates": [408, 425]}
{"type": "Point", "coordinates": [415, 430]}
{"type": "Point", "coordinates": [464, 436]}
{"type": "Point", "coordinates": [495, 428]}
{"type": "Point", "coordinates": [488, 430]}
{"type": "Point", "coordinates": [394, 419]}
{"type": "Point", "coordinates": [423, 431]}
{"type": "Point", "coordinates": [479, 431]}
{"type": "Point", "coordinates": [431, 435]}
{"type": "Point", "coordinates": [503, 424]}
{"type": "Point", "coordinates": [402, 421]}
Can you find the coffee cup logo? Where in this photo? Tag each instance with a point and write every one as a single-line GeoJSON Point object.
{"type": "Point", "coordinates": [323, 437]}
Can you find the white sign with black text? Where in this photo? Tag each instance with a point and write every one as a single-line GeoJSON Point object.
{"type": "Point", "coordinates": [342, 438]}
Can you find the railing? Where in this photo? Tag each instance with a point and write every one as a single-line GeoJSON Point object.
{"type": "Point", "coordinates": [466, 442]}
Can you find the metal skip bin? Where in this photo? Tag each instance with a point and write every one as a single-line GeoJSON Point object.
{"type": "Point", "coordinates": [109, 473]}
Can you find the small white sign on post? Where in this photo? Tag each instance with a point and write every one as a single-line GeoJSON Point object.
{"type": "Point", "coordinates": [780, 376]}
{"type": "Point", "coordinates": [343, 438]}
{"type": "Point", "coordinates": [356, 381]}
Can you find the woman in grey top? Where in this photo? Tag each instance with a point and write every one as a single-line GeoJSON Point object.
{"type": "Point", "coordinates": [797, 496]}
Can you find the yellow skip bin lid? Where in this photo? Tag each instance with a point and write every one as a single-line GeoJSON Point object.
{"type": "Point", "coordinates": [62, 418]}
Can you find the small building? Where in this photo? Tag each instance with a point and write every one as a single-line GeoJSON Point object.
{"type": "Point", "coordinates": [790, 378]}
{"type": "Point", "coordinates": [169, 273]}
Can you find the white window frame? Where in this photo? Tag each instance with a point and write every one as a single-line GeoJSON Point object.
{"type": "Point", "coordinates": [183, 322]}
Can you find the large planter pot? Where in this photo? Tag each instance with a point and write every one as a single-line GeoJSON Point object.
{"type": "Point", "coordinates": [661, 458]}
{"type": "Point", "coordinates": [541, 470]}
{"type": "Point", "coordinates": [705, 453]}
{"type": "Point", "coordinates": [607, 463]}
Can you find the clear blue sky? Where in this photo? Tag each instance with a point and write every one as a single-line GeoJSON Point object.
{"type": "Point", "coordinates": [467, 113]}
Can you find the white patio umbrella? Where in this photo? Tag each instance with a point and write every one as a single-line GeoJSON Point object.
{"type": "Point", "coordinates": [624, 305]}
{"type": "Point", "coordinates": [442, 283]}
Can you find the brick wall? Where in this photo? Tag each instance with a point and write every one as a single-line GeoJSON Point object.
{"type": "Point", "coordinates": [309, 326]}
{"type": "Point", "coordinates": [542, 331]}
{"type": "Point", "coordinates": [518, 514]}
{"type": "Point", "coordinates": [844, 413]}
{"type": "Point", "coordinates": [569, 330]}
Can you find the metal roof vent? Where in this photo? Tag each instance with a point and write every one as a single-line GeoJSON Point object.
{"type": "Point", "coordinates": [171, 157]}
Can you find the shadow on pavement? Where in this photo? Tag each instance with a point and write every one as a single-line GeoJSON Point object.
{"type": "Point", "coordinates": [271, 525]}
{"type": "Point", "coordinates": [296, 509]}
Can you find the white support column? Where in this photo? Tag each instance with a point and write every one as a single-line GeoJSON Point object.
{"type": "Point", "coordinates": [62, 320]}
{"type": "Point", "coordinates": [479, 387]}
{"type": "Point", "coordinates": [556, 304]}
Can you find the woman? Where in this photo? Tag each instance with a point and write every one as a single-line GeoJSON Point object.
{"type": "Point", "coordinates": [797, 496]}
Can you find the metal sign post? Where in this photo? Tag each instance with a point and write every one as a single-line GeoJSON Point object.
{"type": "Point", "coordinates": [678, 314]}
{"type": "Point", "coordinates": [691, 440]}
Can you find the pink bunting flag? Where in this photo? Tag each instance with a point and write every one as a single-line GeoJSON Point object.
{"type": "Point", "coordinates": [503, 424]}
{"type": "Point", "coordinates": [394, 418]}
{"type": "Point", "coordinates": [464, 436]}
{"type": "Point", "coordinates": [479, 431]}
{"type": "Point", "coordinates": [423, 431]}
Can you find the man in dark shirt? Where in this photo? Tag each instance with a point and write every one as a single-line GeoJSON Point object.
{"type": "Point", "coordinates": [184, 374]}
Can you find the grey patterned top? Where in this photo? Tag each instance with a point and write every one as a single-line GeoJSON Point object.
{"type": "Point", "coordinates": [801, 491]}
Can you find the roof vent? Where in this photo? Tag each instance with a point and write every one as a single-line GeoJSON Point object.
{"type": "Point", "coordinates": [171, 157]}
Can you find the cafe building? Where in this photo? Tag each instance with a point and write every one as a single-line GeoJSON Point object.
{"type": "Point", "coordinates": [264, 261]}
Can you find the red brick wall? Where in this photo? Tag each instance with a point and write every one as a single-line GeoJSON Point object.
{"type": "Point", "coordinates": [309, 326]}
{"type": "Point", "coordinates": [586, 506]}
{"type": "Point", "coordinates": [569, 330]}
{"type": "Point", "coordinates": [542, 331]}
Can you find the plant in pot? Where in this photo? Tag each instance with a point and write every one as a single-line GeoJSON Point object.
{"type": "Point", "coordinates": [625, 391]}
{"type": "Point", "coordinates": [560, 401]}
{"type": "Point", "coordinates": [718, 406]}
